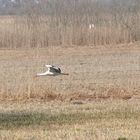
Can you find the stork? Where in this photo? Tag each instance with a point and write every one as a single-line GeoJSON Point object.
{"type": "Point", "coordinates": [52, 71]}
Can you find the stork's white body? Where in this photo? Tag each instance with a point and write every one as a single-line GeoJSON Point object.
{"type": "Point", "coordinates": [52, 71]}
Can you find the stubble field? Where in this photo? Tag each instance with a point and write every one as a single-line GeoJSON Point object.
{"type": "Point", "coordinates": [98, 100]}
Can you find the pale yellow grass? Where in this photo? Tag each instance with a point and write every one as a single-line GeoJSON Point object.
{"type": "Point", "coordinates": [98, 100]}
{"type": "Point", "coordinates": [115, 119]}
{"type": "Point", "coordinates": [98, 130]}
{"type": "Point", "coordinates": [94, 73]}
{"type": "Point", "coordinates": [42, 31]}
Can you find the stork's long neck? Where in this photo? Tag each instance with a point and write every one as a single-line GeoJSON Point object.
{"type": "Point", "coordinates": [42, 74]}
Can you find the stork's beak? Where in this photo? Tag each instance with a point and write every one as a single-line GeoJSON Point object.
{"type": "Point", "coordinates": [35, 76]}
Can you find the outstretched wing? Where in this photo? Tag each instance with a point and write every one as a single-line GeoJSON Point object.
{"type": "Point", "coordinates": [53, 69]}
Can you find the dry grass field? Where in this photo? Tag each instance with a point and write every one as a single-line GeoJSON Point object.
{"type": "Point", "coordinates": [100, 99]}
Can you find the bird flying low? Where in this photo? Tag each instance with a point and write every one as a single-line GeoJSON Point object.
{"type": "Point", "coordinates": [52, 71]}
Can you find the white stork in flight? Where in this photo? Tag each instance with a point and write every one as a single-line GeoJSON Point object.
{"type": "Point", "coordinates": [52, 71]}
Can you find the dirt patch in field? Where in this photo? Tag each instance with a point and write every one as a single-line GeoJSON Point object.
{"type": "Point", "coordinates": [112, 93]}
